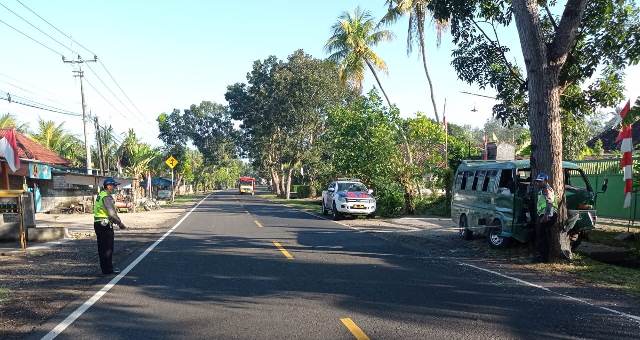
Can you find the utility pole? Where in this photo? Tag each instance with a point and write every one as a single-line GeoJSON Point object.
{"type": "Point", "coordinates": [80, 74]}
{"type": "Point", "coordinates": [99, 140]}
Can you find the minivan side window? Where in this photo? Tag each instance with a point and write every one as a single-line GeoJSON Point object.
{"type": "Point", "coordinates": [458, 181]}
{"type": "Point", "coordinates": [487, 179]}
{"type": "Point", "coordinates": [506, 180]}
{"type": "Point", "coordinates": [479, 176]}
{"type": "Point", "coordinates": [463, 184]}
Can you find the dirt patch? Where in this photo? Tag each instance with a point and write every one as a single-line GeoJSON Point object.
{"type": "Point", "coordinates": [35, 285]}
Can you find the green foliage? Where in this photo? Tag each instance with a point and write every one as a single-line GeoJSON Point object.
{"type": "Point", "coordinates": [351, 45]}
{"type": "Point", "coordinates": [135, 156]}
{"type": "Point", "coordinates": [54, 137]}
{"type": "Point", "coordinates": [598, 149]}
{"type": "Point", "coordinates": [363, 142]}
{"type": "Point", "coordinates": [593, 74]}
{"type": "Point", "coordinates": [9, 121]}
{"type": "Point", "coordinates": [303, 191]}
{"type": "Point", "coordinates": [283, 109]}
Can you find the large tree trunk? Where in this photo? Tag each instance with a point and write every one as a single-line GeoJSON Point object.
{"type": "Point", "coordinates": [275, 182]}
{"type": "Point", "coordinates": [288, 184]}
{"type": "Point", "coordinates": [426, 72]}
{"type": "Point", "coordinates": [544, 63]}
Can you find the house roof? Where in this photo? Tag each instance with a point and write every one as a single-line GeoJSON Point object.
{"type": "Point", "coordinates": [609, 136]}
{"type": "Point", "coordinates": [31, 150]}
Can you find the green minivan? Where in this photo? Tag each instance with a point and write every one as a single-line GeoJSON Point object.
{"type": "Point", "coordinates": [490, 198]}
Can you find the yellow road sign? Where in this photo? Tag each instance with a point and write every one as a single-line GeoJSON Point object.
{"type": "Point", "coordinates": [171, 162]}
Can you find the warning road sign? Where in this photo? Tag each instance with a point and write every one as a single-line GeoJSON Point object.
{"type": "Point", "coordinates": [171, 162]}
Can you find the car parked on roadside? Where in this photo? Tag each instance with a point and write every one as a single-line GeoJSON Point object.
{"type": "Point", "coordinates": [491, 198]}
{"type": "Point", "coordinates": [348, 197]}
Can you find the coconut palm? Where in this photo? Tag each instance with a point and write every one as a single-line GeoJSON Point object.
{"type": "Point", "coordinates": [417, 11]}
{"type": "Point", "coordinates": [351, 46]}
{"type": "Point", "coordinates": [54, 137]}
{"type": "Point", "coordinates": [8, 121]}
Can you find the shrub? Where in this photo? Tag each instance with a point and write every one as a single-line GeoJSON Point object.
{"type": "Point", "coordinates": [390, 200]}
{"type": "Point", "coordinates": [303, 191]}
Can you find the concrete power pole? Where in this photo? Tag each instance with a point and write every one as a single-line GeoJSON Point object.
{"type": "Point", "coordinates": [80, 74]}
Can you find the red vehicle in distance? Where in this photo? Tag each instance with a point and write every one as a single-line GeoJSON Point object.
{"type": "Point", "coordinates": [247, 185]}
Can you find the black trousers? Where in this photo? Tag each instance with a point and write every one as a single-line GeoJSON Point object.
{"type": "Point", "coordinates": [543, 235]}
{"type": "Point", "coordinates": [104, 235]}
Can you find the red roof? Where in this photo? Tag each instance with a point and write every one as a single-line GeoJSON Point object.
{"type": "Point", "coordinates": [32, 150]}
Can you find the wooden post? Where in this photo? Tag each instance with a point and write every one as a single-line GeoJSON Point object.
{"type": "Point", "coordinates": [23, 234]}
{"type": "Point", "coordinates": [5, 176]}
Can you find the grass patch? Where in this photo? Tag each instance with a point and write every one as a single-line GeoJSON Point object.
{"type": "Point", "coordinates": [597, 273]}
{"type": "Point", "coordinates": [4, 294]}
{"type": "Point", "coordinates": [608, 237]}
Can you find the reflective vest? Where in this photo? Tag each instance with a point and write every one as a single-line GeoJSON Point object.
{"type": "Point", "coordinates": [542, 202]}
{"type": "Point", "coordinates": [99, 210]}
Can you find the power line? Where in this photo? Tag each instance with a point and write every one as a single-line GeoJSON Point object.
{"type": "Point", "coordinates": [105, 99]}
{"type": "Point", "coordinates": [37, 28]}
{"type": "Point", "coordinates": [12, 101]}
{"type": "Point", "coordinates": [33, 39]}
{"type": "Point", "coordinates": [109, 89]}
{"type": "Point", "coordinates": [32, 92]}
{"type": "Point", "coordinates": [118, 85]}
{"type": "Point", "coordinates": [90, 51]}
{"type": "Point", "coordinates": [54, 27]}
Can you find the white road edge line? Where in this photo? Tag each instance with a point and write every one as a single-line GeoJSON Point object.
{"type": "Point", "coordinates": [92, 300]}
{"type": "Point", "coordinates": [523, 282]}
{"type": "Point", "coordinates": [526, 283]}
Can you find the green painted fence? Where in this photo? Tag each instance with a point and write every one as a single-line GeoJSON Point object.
{"type": "Point", "coordinates": [609, 204]}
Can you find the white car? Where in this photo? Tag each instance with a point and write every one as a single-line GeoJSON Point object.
{"type": "Point", "coordinates": [348, 197]}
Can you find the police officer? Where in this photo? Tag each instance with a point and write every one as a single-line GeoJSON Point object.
{"type": "Point", "coordinates": [546, 209]}
{"type": "Point", "coordinates": [105, 216]}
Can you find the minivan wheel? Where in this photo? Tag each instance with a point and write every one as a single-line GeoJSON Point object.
{"type": "Point", "coordinates": [463, 230]}
{"type": "Point", "coordinates": [494, 238]}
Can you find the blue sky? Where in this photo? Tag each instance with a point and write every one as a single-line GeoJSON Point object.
{"type": "Point", "coordinates": [170, 54]}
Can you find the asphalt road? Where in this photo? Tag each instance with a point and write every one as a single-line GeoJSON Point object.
{"type": "Point", "coordinates": [242, 268]}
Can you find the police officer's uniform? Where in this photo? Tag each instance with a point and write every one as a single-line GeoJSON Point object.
{"type": "Point", "coordinates": [546, 206]}
{"type": "Point", "coordinates": [104, 217]}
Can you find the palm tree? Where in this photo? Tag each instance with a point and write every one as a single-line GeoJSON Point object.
{"type": "Point", "coordinates": [54, 137]}
{"type": "Point", "coordinates": [8, 121]}
{"type": "Point", "coordinates": [417, 11]}
{"type": "Point", "coordinates": [351, 43]}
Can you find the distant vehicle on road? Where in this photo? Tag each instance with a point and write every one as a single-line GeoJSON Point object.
{"type": "Point", "coordinates": [491, 198]}
{"type": "Point", "coordinates": [348, 197]}
{"type": "Point", "coordinates": [247, 185]}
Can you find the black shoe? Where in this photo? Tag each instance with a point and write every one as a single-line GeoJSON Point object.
{"type": "Point", "coordinates": [113, 272]}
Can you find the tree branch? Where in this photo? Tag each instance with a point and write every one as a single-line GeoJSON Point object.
{"type": "Point", "coordinates": [567, 31]}
{"type": "Point", "coordinates": [497, 46]}
{"type": "Point", "coordinates": [553, 21]}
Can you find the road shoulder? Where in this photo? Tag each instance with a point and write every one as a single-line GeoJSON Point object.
{"type": "Point", "coordinates": [37, 284]}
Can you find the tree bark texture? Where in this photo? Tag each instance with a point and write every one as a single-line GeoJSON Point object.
{"type": "Point", "coordinates": [275, 182]}
{"type": "Point", "coordinates": [288, 184]}
{"type": "Point", "coordinates": [544, 65]}
{"type": "Point", "coordinates": [379, 83]}
{"type": "Point", "coordinates": [426, 72]}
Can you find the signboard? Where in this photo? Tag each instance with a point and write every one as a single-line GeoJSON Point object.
{"type": "Point", "coordinates": [39, 171]}
{"type": "Point", "coordinates": [171, 162]}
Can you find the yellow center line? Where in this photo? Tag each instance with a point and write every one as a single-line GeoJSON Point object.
{"type": "Point", "coordinates": [282, 250]}
{"type": "Point", "coordinates": [258, 223]}
{"type": "Point", "coordinates": [354, 329]}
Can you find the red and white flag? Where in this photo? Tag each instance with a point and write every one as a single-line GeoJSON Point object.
{"type": "Point", "coordinates": [9, 150]}
{"type": "Point", "coordinates": [626, 147]}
